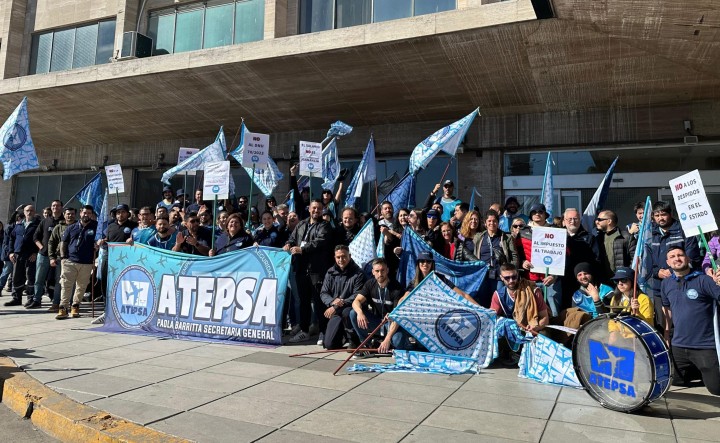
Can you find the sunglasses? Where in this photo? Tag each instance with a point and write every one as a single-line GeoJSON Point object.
{"type": "Point", "coordinates": [623, 280]}
{"type": "Point", "coordinates": [509, 277]}
{"type": "Point", "coordinates": [424, 261]}
{"type": "Point", "coordinates": [518, 226]}
{"type": "Point", "coordinates": [193, 221]}
{"type": "Point", "coordinates": [601, 219]}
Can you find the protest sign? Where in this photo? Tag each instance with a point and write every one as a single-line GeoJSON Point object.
{"type": "Point", "coordinates": [255, 150]}
{"type": "Point", "coordinates": [548, 250]}
{"type": "Point", "coordinates": [310, 159]}
{"type": "Point", "coordinates": [692, 204]}
{"type": "Point", "coordinates": [184, 154]}
{"type": "Point", "coordinates": [237, 296]}
{"type": "Point", "coordinates": [116, 184]}
{"type": "Point", "coordinates": [217, 180]}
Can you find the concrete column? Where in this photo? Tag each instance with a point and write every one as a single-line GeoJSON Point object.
{"type": "Point", "coordinates": [11, 53]}
{"type": "Point", "coordinates": [275, 18]}
{"type": "Point", "coordinates": [483, 170]}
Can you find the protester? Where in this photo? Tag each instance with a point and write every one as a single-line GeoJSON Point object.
{"type": "Point", "coordinates": [267, 234]}
{"type": "Point", "coordinates": [580, 248]}
{"type": "Point", "coordinates": [558, 222]}
{"type": "Point", "coordinates": [590, 292]}
{"type": "Point", "coordinates": [417, 221]}
{"type": "Point", "coordinates": [459, 213]}
{"type": "Point", "coordinates": [451, 247]}
{"type": "Point", "coordinates": [195, 205]}
{"type": "Point", "coordinates": [221, 222]}
{"type": "Point", "coordinates": [4, 255]}
{"type": "Point", "coordinates": [146, 226]}
{"type": "Point", "coordinates": [193, 239]}
{"type": "Point", "coordinates": [348, 228]}
{"type": "Point", "coordinates": [342, 283]}
{"type": "Point", "coordinates": [392, 233]}
{"type": "Point", "coordinates": [469, 229]}
{"type": "Point", "coordinates": [164, 236]}
{"type": "Point", "coordinates": [78, 257]}
{"type": "Point", "coordinates": [494, 247]}
{"type": "Point", "coordinates": [516, 227]}
{"type": "Point", "coordinates": [254, 221]}
{"type": "Point", "coordinates": [433, 236]}
{"type": "Point", "coordinates": [310, 244]}
{"type": "Point", "coordinates": [689, 299]}
{"type": "Point", "coordinates": [69, 217]}
{"type": "Point", "coordinates": [205, 219]}
{"type": "Point", "coordinates": [511, 214]}
{"type": "Point", "coordinates": [615, 247]}
{"type": "Point", "coordinates": [627, 295]}
{"type": "Point", "coordinates": [242, 207]}
{"type": "Point", "coordinates": [44, 274]}
{"type": "Point", "coordinates": [270, 204]}
{"type": "Point", "coordinates": [495, 206]}
{"type": "Point", "coordinates": [234, 239]}
{"type": "Point", "coordinates": [713, 252]}
{"type": "Point", "coordinates": [160, 211]}
{"type": "Point", "coordinates": [181, 198]}
{"type": "Point", "coordinates": [634, 228]}
{"type": "Point", "coordinates": [23, 254]}
{"type": "Point", "coordinates": [447, 200]}
{"type": "Point", "coordinates": [167, 200]}
{"type": "Point", "coordinates": [176, 219]}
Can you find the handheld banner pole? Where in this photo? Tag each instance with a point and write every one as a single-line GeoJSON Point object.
{"type": "Point", "coordinates": [707, 249]}
{"type": "Point", "coordinates": [362, 345]}
{"type": "Point", "coordinates": [184, 190]}
{"type": "Point", "coordinates": [212, 233]}
{"type": "Point", "coordinates": [377, 198]}
{"type": "Point", "coordinates": [446, 169]}
{"type": "Point", "coordinates": [117, 197]}
{"type": "Point", "coordinates": [635, 294]}
{"type": "Point", "coordinates": [252, 182]}
{"type": "Point", "coordinates": [547, 271]}
{"type": "Point", "coordinates": [237, 133]}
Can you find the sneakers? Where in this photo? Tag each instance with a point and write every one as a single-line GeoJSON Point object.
{"type": "Point", "coordinates": [321, 339]}
{"type": "Point", "coordinates": [33, 305]}
{"type": "Point", "coordinates": [314, 329]}
{"type": "Point", "coordinates": [361, 354]}
{"type": "Point", "coordinates": [75, 311]}
{"type": "Point", "coordinates": [54, 308]}
{"type": "Point", "coordinates": [98, 321]}
{"type": "Point", "coordinates": [62, 313]}
{"type": "Point", "coordinates": [86, 296]}
{"type": "Point", "coordinates": [295, 330]}
{"type": "Point", "coordinates": [29, 302]}
{"type": "Point", "coordinates": [13, 302]}
{"type": "Point", "coordinates": [299, 337]}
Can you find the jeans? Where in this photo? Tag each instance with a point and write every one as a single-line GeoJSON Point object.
{"type": "Point", "coordinates": [690, 361]}
{"type": "Point", "coordinates": [42, 266]}
{"type": "Point", "coordinates": [487, 289]}
{"type": "Point", "coordinates": [553, 297]}
{"type": "Point", "coordinates": [7, 272]}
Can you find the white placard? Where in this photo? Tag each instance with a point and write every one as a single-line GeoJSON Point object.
{"type": "Point", "coordinates": [255, 150]}
{"type": "Point", "coordinates": [184, 154]}
{"type": "Point", "coordinates": [116, 183]}
{"type": "Point", "coordinates": [310, 159]}
{"type": "Point", "coordinates": [548, 250]}
{"type": "Point", "coordinates": [217, 180]}
{"type": "Point", "coordinates": [692, 204]}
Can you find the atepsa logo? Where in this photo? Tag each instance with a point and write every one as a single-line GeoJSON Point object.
{"type": "Point", "coordinates": [458, 329]}
{"type": "Point", "coordinates": [135, 297]}
{"type": "Point", "coordinates": [612, 368]}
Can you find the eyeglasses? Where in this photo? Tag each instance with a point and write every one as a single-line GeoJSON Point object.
{"type": "Point", "coordinates": [601, 219]}
{"type": "Point", "coordinates": [572, 219]}
{"type": "Point", "coordinates": [431, 216]}
{"type": "Point", "coordinates": [509, 277]}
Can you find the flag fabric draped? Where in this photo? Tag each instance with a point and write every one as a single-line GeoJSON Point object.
{"type": "Point", "coordinates": [17, 152]}
{"type": "Point", "coordinates": [546, 361]}
{"type": "Point", "coordinates": [445, 323]}
{"type": "Point", "coordinates": [330, 164]}
{"type": "Point", "coordinates": [446, 139]}
{"type": "Point", "coordinates": [214, 152]}
{"type": "Point", "coordinates": [291, 201]}
{"type": "Point", "coordinates": [362, 247]}
{"type": "Point", "coordinates": [92, 193]}
{"type": "Point", "coordinates": [386, 186]}
{"type": "Point", "coordinates": [380, 251]}
{"type": "Point", "coordinates": [425, 362]}
{"type": "Point", "coordinates": [547, 197]}
{"type": "Point", "coordinates": [644, 236]}
{"type": "Point", "coordinates": [597, 202]}
{"type": "Point", "coordinates": [364, 174]}
{"type": "Point", "coordinates": [467, 276]}
{"type": "Point", "coordinates": [403, 195]}
{"type": "Point", "coordinates": [339, 129]}
{"type": "Point", "coordinates": [266, 179]}
{"type": "Point", "coordinates": [472, 198]}
{"type": "Point", "coordinates": [102, 224]}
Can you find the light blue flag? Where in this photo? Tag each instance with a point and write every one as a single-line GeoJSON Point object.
{"type": "Point", "coordinates": [212, 153]}
{"type": "Point", "coordinates": [643, 243]}
{"type": "Point", "coordinates": [266, 179]}
{"type": "Point", "coordinates": [17, 152]}
{"type": "Point", "coordinates": [291, 201]}
{"type": "Point", "coordinates": [597, 202]}
{"type": "Point", "coordinates": [380, 252]}
{"type": "Point", "coordinates": [102, 216]}
{"type": "Point", "coordinates": [362, 247]}
{"type": "Point", "coordinates": [339, 129]}
{"type": "Point", "coordinates": [330, 164]}
{"type": "Point", "coordinates": [426, 362]}
{"type": "Point", "coordinates": [546, 361]}
{"type": "Point", "coordinates": [364, 174]}
{"type": "Point", "coordinates": [446, 139]}
{"type": "Point", "coordinates": [548, 191]}
{"type": "Point", "coordinates": [92, 193]}
{"type": "Point", "coordinates": [403, 195]}
{"type": "Point", "coordinates": [472, 198]}
{"type": "Point", "coordinates": [445, 323]}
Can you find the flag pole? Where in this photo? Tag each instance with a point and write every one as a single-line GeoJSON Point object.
{"type": "Point", "coordinates": [707, 248]}
{"type": "Point", "coordinates": [446, 169]}
{"type": "Point", "coordinates": [212, 233]}
{"type": "Point", "coordinates": [184, 190]}
{"type": "Point", "coordinates": [362, 345]}
{"type": "Point", "coordinates": [117, 197]}
{"type": "Point", "coordinates": [252, 181]}
{"type": "Point", "coordinates": [377, 197]}
{"type": "Point", "coordinates": [237, 133]}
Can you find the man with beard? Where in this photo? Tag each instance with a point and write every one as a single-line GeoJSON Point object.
{"type": "Point", "coordinates": [310, 244]}
{"type": "Point", "coordinates": [348, 227]}
{"type": "Point", "coordinates": [164, 236]}
{"type": "Point", "coordinates": [579, 250]}
{"type": "Point", "coordinates": [511, 213]}
{"type": "Point", "coordinates": [689, 298]}
{"type": "Point", "coordinates": [119, 231]}
{"type": "Point", "coordinates": [666, 232]}
{"type": "Point", "coordinates": [194, 239]}
{"type": "Point", "coordinates": [78, 252]}
{"type": "Point", "coordinates": [581, 298]}
{"type": "Point", "coordinates": [44, 274]}
{"type": "Point", "coordinates": [23, 254]}
{"type": "Point", "coordinates": [54, 253]}
{"type": "Point", "coordinates": [615, 246]}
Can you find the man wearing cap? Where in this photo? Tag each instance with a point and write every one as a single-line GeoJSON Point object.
{"type": "Point", "coordinates": [433, 237]}
{"type": "Point", "coordinates": [167, 200]}
{"type": "Point", "coordinates": [181, 198]}
{"type": "Point", "coordinates": [118, 231]}
{"type": "Point", "coordinates": [447, 200]}
{"type": "Point", "coordinates": [538, 216]}
{"type": "Point", "coordinates": [582, 298]}
{"type": "Point", "coordinates": [511, 213]}
{"type": "Point", "coordinates": [689, 298]}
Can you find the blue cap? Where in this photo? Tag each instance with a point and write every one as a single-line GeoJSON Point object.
{"type": "Point", "coordinates": [425, 255]}
{"type": "Point", "coordinates": [622, 273]}
{"type": "Point", "coordinates": [433, 213]}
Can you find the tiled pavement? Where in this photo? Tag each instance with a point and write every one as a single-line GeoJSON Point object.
{"type": "Point", "coordinates": [215, 393]}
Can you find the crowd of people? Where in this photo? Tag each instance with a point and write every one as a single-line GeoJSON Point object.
{"type": "Point", "coordinates": [332, 299]}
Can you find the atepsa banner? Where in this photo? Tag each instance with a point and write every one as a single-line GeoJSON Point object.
{"type": "Point", "coordinates": [236, 296]}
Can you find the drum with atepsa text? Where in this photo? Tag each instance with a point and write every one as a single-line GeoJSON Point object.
{"type": "Point", "coordinates": [622, 362]}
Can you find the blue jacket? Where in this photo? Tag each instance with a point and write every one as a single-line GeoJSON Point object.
{"type": "Point", "coordinates": [656, 256]}
{"type": "Point", "coordinates": [22, 239]}
{"type": "Point", "coordinates": [79, 242]}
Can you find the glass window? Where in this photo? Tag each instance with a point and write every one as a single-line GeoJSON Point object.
{"type": "Point", "coordinates": [218, 25]}
{"type": "Point", "coordinates": [62, 52]}
{"type": "Point", "coordinates": [48, 190]}
{"type": "Point", "coordinates": [249, 20]}
{"type": "Point", "coordinates": [161, 30]}
{"type": "Point", "coordinates": [26, 190]}
{"type": "Point", "coordinates": [188, 30]}
{"type": "Point", "coordinates": [433, 6]}
{"type": "Point", "coordinates": [105, 42]}
{"type": "Point", "coordinates": [352, 12]}
{"type": "Point", "coordinates": [41, 53]}
{"type": "Point", "coordinates": [384, 10]}
{"type": "Point", "coordinates": [85, 45]}
{"type": "Point", "coordinates": [316, 15]}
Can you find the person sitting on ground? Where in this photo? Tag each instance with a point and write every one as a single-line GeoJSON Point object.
{"type": "Point", "coordinates": [234, 239]}
{"type": "Point", "coordinates": [584, 297]}
{"type": "Point", "coordinates": [622, 300]}
{"type": "Point", "coordinates": [164, 236]}
{"type": "Point", "coordinates": [343, 281]}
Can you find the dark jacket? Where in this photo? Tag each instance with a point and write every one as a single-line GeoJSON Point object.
{"type": "Point", "coordinates": [268, 237]}
{"type": "Point", "coordinates": [462, 253]}
{"type": "Point", "coordinates": [507, 248]}
{"type": "Point", "coordinates": [78, 242]}
{"type": "Point", "coordinates": [22, 238]}
{"type": "Point", "coordinates": [316, 242]}
{"type": "Point", "coordinates": [623, 250]}
{"type": "Point", "coordinates": [225, 243]}
{"type": "Point", "coordinates": [344, 284]}
{"type": "Point", "coordinates": [54, 240]}
{"type": "Point", "coordinates": [656, 256]}
{"type": "Point", "coordinates": [5, 254]}
{"type": "Point", "coordinates": [344, 236]}
{"type": "Point", "coordinates": [582, 247]}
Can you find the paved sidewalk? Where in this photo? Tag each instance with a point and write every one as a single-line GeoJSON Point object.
{"type": "Point", "coordinates": [217, 393]}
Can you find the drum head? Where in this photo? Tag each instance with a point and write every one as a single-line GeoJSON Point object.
{"type": "Point", "coordinates": [614, 364]}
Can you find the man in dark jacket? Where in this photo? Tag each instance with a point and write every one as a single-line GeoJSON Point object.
{"type": "Point", "coordinates": [77, 248]}
{"type": "Point", "coordinates": [579, 250]}
{"type": "Point", "coordinates": [44, 274]}
{"type": "Point", "coordinates": [23, 253]}
{"type": "Point", "coordinates": [342, 282]}
{"type": "Point", "coordinates": [310, 244]}
{"type": "Point", "coordinates": [666, 232]}
{"type": "Point", "coordinates": [348, 227]}
{"type": "Point", "coordinates": [615, 246]}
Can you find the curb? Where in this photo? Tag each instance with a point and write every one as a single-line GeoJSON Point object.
{"type": "Point", "coordinates": [65, 419]}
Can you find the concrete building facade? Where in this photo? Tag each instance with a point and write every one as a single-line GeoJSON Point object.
{"type": "Point", "coordinates": [588, 81]}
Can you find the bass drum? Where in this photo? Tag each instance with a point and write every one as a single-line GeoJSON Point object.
{"type": "Point", "coordinates": [622, 362]}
